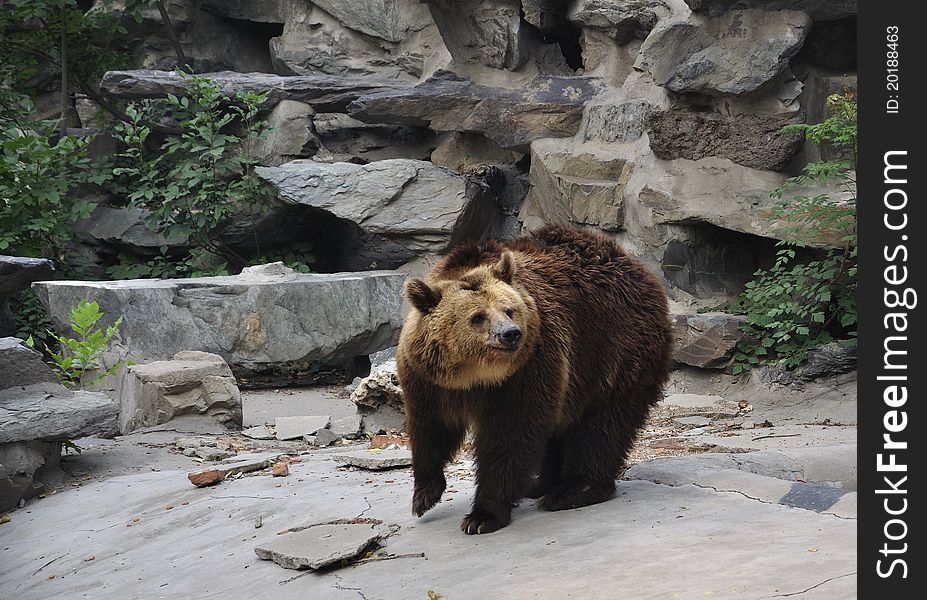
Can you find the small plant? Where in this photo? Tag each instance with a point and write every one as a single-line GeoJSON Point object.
{"type": "Point", "coordinates": [79, 355]}
{"type": "Point", "coordinates": [797, 303]}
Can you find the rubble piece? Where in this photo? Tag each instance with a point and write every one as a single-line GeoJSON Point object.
{"type": "Point", "coordinates": [242, 463]}
{"type": "Point", "coordinates": [319, 546]}
{"type": "Point", "coordinates": [290, 428]}
{"type": "Point", "coordinates": [376, 460]}
{"type": "Point", "coordinates": [695, 405]}
{"type": "Point", "coordinates": [259, 432]}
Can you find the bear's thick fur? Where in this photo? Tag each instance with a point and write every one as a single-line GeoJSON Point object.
{"type": "Point", "coordinates": [552, 349]}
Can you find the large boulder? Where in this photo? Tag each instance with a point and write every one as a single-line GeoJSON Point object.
{"type": "Point", "coordinates": [624, 121]}
{"type": "Point", "coordinates": [17, 273]}
{"type": "Point", "coordinates": [621, 20]}
{"type": "Point", "coordinates": [733, 54]}
{"type": "Point", "coordinates": [126, 227]}
{"type": "Point", "coordinates": [325, 93]}
{"type": "Point", "coordinates": [706, 340]}
{"type": "Point", "coordinates": [20, 365]}
{"type": "Point", "coordinates": [190, 383]}
{"type": "Point", "coordinates": [267, 319]}
{"type": "Point", "coordinates": [512, 118]}
{"type": "Point", "coordinates": [480, 31]}
{"type": "Point", "coordinates": [416, 204]}
{"type": "Point", "coordinates": [750, 140]}
{"type": "Point", "coordinates": [291, 134]}
{"type": "Point", "coordinates": [25, 470]}
{"type": "Point", "coordinates": [579, 188]}
{"type": "Point", "coordinates": [823, 10]}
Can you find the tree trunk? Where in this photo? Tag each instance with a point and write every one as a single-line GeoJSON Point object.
{"type": "Point", "coordinates": [172, 34]}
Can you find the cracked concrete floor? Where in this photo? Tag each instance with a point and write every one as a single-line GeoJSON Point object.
{"type": "Point", "coordinates": [140, 533]}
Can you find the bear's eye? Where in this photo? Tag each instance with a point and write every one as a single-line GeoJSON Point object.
{"type": "Point", "coordinates": [477, 319]}
{"type": "Point", "coordinates": [510, 312]}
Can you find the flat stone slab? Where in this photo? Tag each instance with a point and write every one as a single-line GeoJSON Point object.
{"type": "Point", "coordinates": [694, 421]}
{"type": "Point", "coordinates": [318, 546]}
{"type": "Point", "coordinates": [325, 93]}
{"type": "Point", "coordinates": [289, 428]}
{"type": "Point", "coordinates": [20, 365]}
{"type": "Point", "coordinates": [376, 460]}
{"type": "Point", "coordinates": [258, 432]}
{"type": "Point", "coordinates": [33, 413]}
{"type": "Point", "coordinates": [267, 318]}
{"type": "Point", "coordinates": [690, 405]}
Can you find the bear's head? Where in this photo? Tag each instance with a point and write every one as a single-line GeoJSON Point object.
{"type": "Point", "coordinates": [473, 331]}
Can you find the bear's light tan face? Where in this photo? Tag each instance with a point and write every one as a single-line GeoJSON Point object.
{"type": "Point", "coordinates": [479, 332]}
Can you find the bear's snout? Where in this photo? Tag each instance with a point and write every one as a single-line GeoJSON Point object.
{"type": "Point", "coordinates": [510, 336]}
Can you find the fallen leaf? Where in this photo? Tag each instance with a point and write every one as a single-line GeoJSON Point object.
{"type": "Point", "coordinates": [812, 549]}
{"type": "Point", "coordinates": [5, 519]}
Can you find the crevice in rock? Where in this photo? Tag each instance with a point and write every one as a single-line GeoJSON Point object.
{"type": "Point", "coordinates": [831, 46]}
{"type": "Point", "coordinates": [817, 585]}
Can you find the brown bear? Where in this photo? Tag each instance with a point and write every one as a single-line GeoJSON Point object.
{"type": "Point", "coordinates": [551, 348]}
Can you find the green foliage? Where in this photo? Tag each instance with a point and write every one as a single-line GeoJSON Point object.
{"type": "Point", "coordinates": [203, 179]}
{"type": "Point", "coordinates": [800, 303]}
{"type": "Point", "coordinates": [31, 316]}
{"type": "Point", "coordinates": [79, 355]}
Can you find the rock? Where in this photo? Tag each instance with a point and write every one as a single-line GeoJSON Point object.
{"type": "Point", "coordinates": [823, 10]}
{"type": "Point", "coordinates": [324, 93]}
{"type": "Point", "coordinates": [266, 11]}
{"type": "Point", "coordinates": [706, 340]}
{"type": "Point", "coordinates": [543, 14]}
{"type": "Point", "coordinates": [191, 383]}
{"type": "Point", "coordinates": [323, 437]}
{"type": "Point", "coordinates": [259, 432]}
{"type": "Point", "coordinates": [381, 386]}
{"type": "Point", "coordinates": [128, 227]}
{"type": "Point", "coordinates": [26, 469]}
{"type": "Point", "coordinates": [416, 204]}
{"type": "Point", "coordinates": [466, 152]}
{"type": "Point", "coordinates": [484, 32]}
{"type": "Point", "coordinates": [733, 54]}
{"type": "Point", "coordinates": [265, 319]}
{"type": "Point", "coordinates": [547, 107]}
{"type": "Point", "coordinates": [291, 428]}
{"type": "Point", "coordinates": [319, 546]}
{"type": "Point", "coordinates": [280, 469]}
{"type": "Point", "coordinates": [386, 418]}
{"type": "Point", "coordinates": [825, 361]}
{"type": "Point", "coordinates": [698, 422]}
{"type": "Point", "coordinates": [379, 460]}
{"type": "Point", "coordinates": [755, 141]}
{"type": "Point", "coordinates": [714, 407]}
{"type": "Point", "coordinates": [622, 20]}
{"type": "Point", "coordinates": [291, 134]}
{"type": "Point", "coordinates": [623, 122]}
{"type": "Point", "coordinates": [206, 478]}
{"type": "Point", "coordinates": [570, 188]}
{"type": "Point", "coordinates": [345, 139]}
{"type": "Point", "coordinates": [20, 365]}
{"type": "Point", "coordinates": [212, 454]}
{"type": "Point", "coordinates": [17, 273]}
{"type": "Point", "coordinates": [52, 413]}
{"type": "Point", "coordinates": [346, 427]}
{"type": "Point", "coordinates": [386, 38]}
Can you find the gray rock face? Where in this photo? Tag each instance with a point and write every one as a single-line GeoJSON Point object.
{"type": "Point", "coordinates": [131, 226]}
{"type": "Point", "coordinates": [20, 365]}
{"type": "Point", "coordinates": [819, 10]}
{"type": "Point", "coordinates": [267, 318]}
{"type": "Point", "coordinates": [706, 340]}
{"type": "Point", "coordinates": [318, 546]}
{"type": "Point", "coordinates": [476, 31]}
{"type": "Point", "coordinates": [345, 139]}
{"type": "Point", "coordinates": [322, 92]}
{"type": "Point", "coordinates": [25, 468]}
{"type": "Point", "coordinates": [190, 383]}
{"type": "Point", "coordinates": [389, 20]}
{"type": "Point", "coordinates": [751, 140]}
{"type": "Point", "coordinates": [827, 360]}
{"type": "Point", "coordinates": [291, 134]}
{"type": "Point", "coordinates": [33, 413]}
{"type": "Point", "coordinates": [265, 11]}
{"type": "Point", "coordinates": [548, 107]}
{"type": "Point", "coordinates": [417, 204]}
{"type": "Point", "coordinates": [579, 189]}
{"type": "Point", "coordinates": [733, 54]}
{"type": "Point", "coordinates": [623, 122]}
{"type": "Point", "coordinates": [622, 20]}
{"type": "Point", "coordinates": [17, 273]}
{"type": "Point", "coordinates": [543, 14]}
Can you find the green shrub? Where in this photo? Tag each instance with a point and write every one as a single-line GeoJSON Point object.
{"type": "Point", "coordinates": [79, 355]}
{"type": "Point", "coordinates": [798, 304]}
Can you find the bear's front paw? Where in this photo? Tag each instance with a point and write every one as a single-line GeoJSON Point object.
{"type": "Point", "coordinates": [483, 522]}
{"type": "Point", "coordinates": [426, 495]}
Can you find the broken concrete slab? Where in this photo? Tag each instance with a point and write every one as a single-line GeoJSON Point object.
{"type": "Point", "coordinates": [319, 546]}
{"type": "Point", "coordinates": [290, 428]}
{"type": "Point", "coordinates": [322, 437]}
{"type": "Point", "coordinates": [346, 427]}
{"type": "Point", "coordinates": [375, 460]}
{"type": "Point", "coordinates": [259, 432]}
{"type": "Point", "coordinates": [268, 318]}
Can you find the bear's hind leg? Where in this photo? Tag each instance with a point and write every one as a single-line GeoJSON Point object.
{"type": "Point", "coordinates": [596, 448]}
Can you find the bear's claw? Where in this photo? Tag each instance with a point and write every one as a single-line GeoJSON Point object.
{"type": "Point", "coordinates": [477, 523]}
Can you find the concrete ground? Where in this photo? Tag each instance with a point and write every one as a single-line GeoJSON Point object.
{"type": "Point", "coordinates": [696, 517]}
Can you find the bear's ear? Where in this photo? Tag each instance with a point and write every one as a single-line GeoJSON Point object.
{"type": "Point", "coordinates": [504, 269]}
{"type": "Point", "coordinates": [421, 295]}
